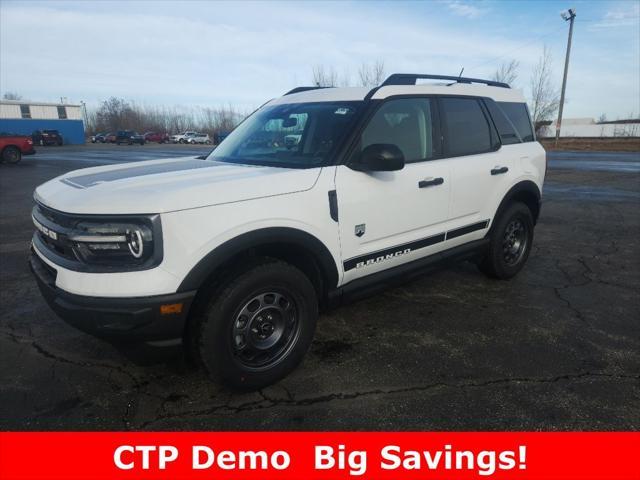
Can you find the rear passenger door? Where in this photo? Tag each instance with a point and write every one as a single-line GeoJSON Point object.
{"type": "Point", "coordinates": [480, 169]}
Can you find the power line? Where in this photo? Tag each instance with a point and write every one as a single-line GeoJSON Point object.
{"type": "Point", "coordinates": [518, 47]}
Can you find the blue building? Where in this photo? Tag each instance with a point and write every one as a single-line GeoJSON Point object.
{"type": "Point", "coordinates": [24, 118]}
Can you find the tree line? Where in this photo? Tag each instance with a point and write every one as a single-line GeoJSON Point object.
{"type": "Point", "coordinates": [120, 114]}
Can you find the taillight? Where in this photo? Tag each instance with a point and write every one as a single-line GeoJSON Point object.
{"type": "Point", "coordinates": [29, 141]}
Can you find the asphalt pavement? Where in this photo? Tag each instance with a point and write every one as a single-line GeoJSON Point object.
{"type": "Point", "coordinates": [556, 348]}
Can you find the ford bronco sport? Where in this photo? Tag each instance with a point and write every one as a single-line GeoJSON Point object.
{"type": "Point", "coordinates": [233, 254]}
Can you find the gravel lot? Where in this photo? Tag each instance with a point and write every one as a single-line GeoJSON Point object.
{"type": "Point", "coordinates": [556, 348]}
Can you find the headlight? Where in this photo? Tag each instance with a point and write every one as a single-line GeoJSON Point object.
{"type": "Point", "coordinates": [117, 243]}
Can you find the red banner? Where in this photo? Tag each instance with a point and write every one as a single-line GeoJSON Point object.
{"type": "Point", "coordinates": [265, 456]}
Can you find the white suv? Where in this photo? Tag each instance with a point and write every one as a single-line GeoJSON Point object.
{"type": "Point", "coordinates": [234, 254]}
{"type": "Point", "coordinates": [199, 138]}
{"type": "Point", "coordinates": [182, 137]}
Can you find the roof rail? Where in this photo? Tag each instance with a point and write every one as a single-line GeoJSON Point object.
{"type": "Point", "coordinates": [302, 89]}
{"type": "Point", "coordinates": [411, 78]}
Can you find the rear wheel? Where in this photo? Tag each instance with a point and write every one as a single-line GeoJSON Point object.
{"type": "Point", "coordinates": [510, 245]}
{"type": "Point", "coordinates": [11, 154]}
{"type": "Point", "coordinates": [257, 328]}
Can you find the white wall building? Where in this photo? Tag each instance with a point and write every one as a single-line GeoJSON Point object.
{"type": "Point", "coordinates": [588, 127]}
{"type": "Point", "coordinates": [13, 109]}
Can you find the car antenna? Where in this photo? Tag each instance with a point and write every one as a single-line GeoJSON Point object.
{"type": "Point", "coordinates": [459, 77]}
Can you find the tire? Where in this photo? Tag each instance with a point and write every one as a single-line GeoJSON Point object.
{"type": "Point", "coordinates": [258, 326]}
{"type": "Point", "coordinates": [510, 244]}
{"type": "Point", "coordinates": [11, 154]}
{"type": "Point", "coordinates": [181, 140]}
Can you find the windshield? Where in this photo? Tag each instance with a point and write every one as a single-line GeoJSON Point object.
{"type": "Point", "coordinates": [297, 135]}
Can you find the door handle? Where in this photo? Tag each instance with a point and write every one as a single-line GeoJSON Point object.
{"type": "Point", "coordinates": [432, 182]}
{"type": "Point", "coordinates": [499, 170]}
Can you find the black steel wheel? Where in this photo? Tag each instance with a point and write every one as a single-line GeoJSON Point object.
{"type": "Point", "coordinates": [255, 327]}
{"type": "Point", "coordinates": [514, 241]}
{"type": "Point", "coordinates": [511, 238]}
{"type": "Point", "coordinates": [264, 330]}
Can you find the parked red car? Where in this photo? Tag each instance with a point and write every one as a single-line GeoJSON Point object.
{"type": "Point", "coordinates": [12, 147]}
{"type": "Point", "coordinates": [110, 137]}
{"type": "Point", "coordinates": [156, 137]}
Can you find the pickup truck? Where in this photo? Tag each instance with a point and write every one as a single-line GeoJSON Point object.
{"type": "Point", "coordinates": [12, 147]}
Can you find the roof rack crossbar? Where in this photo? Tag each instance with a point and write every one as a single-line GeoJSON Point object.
{"type": "Point", "coordinates": [411, 78]}
{"type": "Point", "coordinates": [302, 89]}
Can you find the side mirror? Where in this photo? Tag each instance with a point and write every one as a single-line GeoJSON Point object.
{"type": "Point", "coordinates": [380, 157]}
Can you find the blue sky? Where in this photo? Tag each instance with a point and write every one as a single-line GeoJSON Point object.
{"type": "Point", "coordinates": [244, 53]}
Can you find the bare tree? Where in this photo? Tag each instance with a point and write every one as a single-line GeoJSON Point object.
{"type": "Point", "coordinates": [117, 113]}
{"type": "Point", "coordinates": [545, 98]}
{"type": "Point", "coordinates": [507, 72]}
{"type": "Point", "coordinates": [11, 96]}
{"type": "Point", "coordinates": [602, 118]}
{"type": "Point", "coordinates": [324, 77]}
{"type": "Point", "coordinates": [345, 78]}
{"type": "Point", "coordinates": [372, 75]}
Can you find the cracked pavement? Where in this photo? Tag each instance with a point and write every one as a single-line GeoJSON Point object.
{"type": "Point", "coordinates": [556, 348]}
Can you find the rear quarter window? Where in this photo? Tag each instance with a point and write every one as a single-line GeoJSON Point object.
{"type": "Point", "coordinates": [506, 129]}
{"type": "Point", "coordinates": [519, 116]}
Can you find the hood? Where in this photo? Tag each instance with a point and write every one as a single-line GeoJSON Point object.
{"type": "Point", "coordinates": [167, 185]}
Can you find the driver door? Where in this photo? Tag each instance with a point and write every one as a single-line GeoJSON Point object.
{"type": "Point", "coordinates": [390, 218]}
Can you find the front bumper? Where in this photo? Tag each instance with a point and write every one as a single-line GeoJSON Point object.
{"type": "Point", "coordinates": [137, 319]}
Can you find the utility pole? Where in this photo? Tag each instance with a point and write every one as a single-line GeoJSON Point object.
{"type": "Point", "coordinates": [569, 16]}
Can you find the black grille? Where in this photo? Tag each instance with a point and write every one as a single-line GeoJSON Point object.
{"type": "Point", "coordinates": [60, 224]}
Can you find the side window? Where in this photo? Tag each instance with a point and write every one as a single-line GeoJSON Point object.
{"type": "Point", "coordinates": [519, 116]}
{"type": "Point", "coordinates": [25, 111]}
{"type": "Point", "coordinates": [406, 123]}
{"type": "Point", "coordinates": [506, 129]}
{"type": "Point", "coordinates": [465, 126]}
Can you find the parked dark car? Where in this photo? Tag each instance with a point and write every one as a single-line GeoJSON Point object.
{"type": "Point", "coordinates": [219, 136]}
{"type": "Point", "coordinates": [47, 137]}
{"type": "Point", "coordinates": [156, 137]}
{"type": "Point", "coordinates": [99, 138]}
{"type": "Point", "coordinates": [129, 137]}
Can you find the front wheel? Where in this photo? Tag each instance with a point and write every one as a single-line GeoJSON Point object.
{"type": "Point", "coordinates": [257, 328]}
{"type": "Point", "coordinates": [510, 245]}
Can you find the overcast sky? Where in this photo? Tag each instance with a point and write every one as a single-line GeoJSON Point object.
{"type": "Point", "coordinates": [244, 53]}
